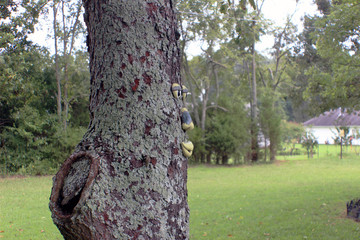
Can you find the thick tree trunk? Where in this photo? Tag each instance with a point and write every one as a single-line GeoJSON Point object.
{"type": "Point", "coordinates": [127, 177]}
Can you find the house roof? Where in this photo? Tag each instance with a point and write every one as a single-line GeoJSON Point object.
{"type": "Point", "coordinates": [337, 117]}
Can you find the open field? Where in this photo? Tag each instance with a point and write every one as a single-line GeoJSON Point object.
{"type": "Point", "coordinates": [290, 199]}
{"type": "Point", "coordinates": [287, 200]}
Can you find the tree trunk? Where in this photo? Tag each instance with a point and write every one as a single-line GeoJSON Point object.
{"type": "Point", "coordinates": [127, 177]}
{"type": "Point", "coordinates": [254, 118]}
{"type": "Point", "coordinates": [57, 71]}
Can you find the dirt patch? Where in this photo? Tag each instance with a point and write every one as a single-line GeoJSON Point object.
{"type": "Point", "coordinates": [280, 162]}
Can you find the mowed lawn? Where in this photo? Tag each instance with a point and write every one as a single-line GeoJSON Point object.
{"type": "Point", "coordinates": [290, 199]}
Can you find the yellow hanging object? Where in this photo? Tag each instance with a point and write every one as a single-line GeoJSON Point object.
{"type": "Point", "coordinates": [176, 90]}
{"type": "Point", "coordinates": [342, 133]}
{"type": "Point", "coordinates": [187, 148]}
{"type": "Point", "coordinates": [186, 121]}
{"type": "Point", "coordinates": [184, 92]}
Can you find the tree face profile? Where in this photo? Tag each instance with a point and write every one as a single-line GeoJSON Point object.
{"type": "Point", "coordinates": [127, 177]}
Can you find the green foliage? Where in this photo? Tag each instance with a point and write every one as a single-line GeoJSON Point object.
{"type": "Point", "coordinates": [32, 141]}
{"type": "Point", "coordinates": [309, 142]}
{"type": "Point", "coordinates": [270, 115]}
{"type": "Point", "coordinates": [337, 43]}
{"type": "Point", "coordinates": [226, 135]}
{"type": "Point", "coordinates": [292, 133]}
{"type": "Point", "coordinates": [342, 135]}
{"type": "Point", "coordinates": [36, 144]}
{"type": "Point", "coordinates": [20, 19]}
{"type": "Point", "coordinates": [196, 137]}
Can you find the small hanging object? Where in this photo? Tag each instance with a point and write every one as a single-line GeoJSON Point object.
{"type": "Point", "coordinates": [184, 92]}
{"type": "Point", "coordinates": [187, 148]}
{"type": "Point", "coordinates": [176, 90]}
{"type": "Point", "coordinates": [186, 121]}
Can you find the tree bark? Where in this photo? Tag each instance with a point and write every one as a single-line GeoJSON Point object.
{"type": "Point", "coordinates": [127, 177]}
{"type": "Point", "coordinates": [254, 116]}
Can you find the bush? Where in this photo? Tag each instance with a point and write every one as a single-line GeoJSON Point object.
{"type": "Point", "coordinates": [36, 144]}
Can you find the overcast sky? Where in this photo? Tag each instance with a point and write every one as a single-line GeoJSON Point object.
{"type": "Point", "coordinates": [278, 10]}
{"type": "Point", "coordinates": [275, 10]}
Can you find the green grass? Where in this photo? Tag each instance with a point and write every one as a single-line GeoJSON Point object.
{"type": "Point", "coordinates": [288, 200]}
{"type": "Point", "coordinates": [24, 212]}
{"type": "Point", "coordinates": [291, 199]}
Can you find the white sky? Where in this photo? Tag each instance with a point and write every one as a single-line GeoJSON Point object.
{"type": "Point", "coordinates": [275, 10]}
{"type": "Point", "coordinates": [279, 10]}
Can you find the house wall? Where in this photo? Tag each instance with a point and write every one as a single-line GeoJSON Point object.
{"type": "Point", "coordinates": [323, 134]}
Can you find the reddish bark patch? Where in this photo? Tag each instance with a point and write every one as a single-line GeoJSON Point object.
{"type": "Point", "coordinates": [153, 161]}
{"type": "Point", "coordinates": [120, 74]}
{"type": "Point", "coordinates": [175, 151]}
{"type": "Point", "coordinates": [123, 66]}
{"type": "Point", "coordinates": [147, 79]}
{"type": "Point", "coordinates": [142, 59]}
{"type": "Point", "coordinates": [149, 124]}
{"type": "Point", "coordinates": [135, 85]}
{"type": "Point", "coordinates": [147, 54]}
{"type": "Point", "coordinates": [155, 225]}
{"type": "Point", "coordinates": [125, 25]}
{"type": "Point", "coordinates": [140, 98]}
{"type": "Point", "coordinates": [133, 184]}
{"type": "Point", "coordinates": [130, 58]}
{"type": "Point", "coordinates": [121, 92]}
{"type": "Point", "coordinates": [171, 170]}
{"type": "Point", "coordinates": [160, 52]}
{"type": "Point", "coordinates": [151, 9]}
{"type": "Point", "coordinates": [136, 163]}
{"type": "Point", "coordinates": [106, 217]}
{"type": "Point", "coordinates": [112, 64]}
{"type": "Point", "coordinates": [173, 211]}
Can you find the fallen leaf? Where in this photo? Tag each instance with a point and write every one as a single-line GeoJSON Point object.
{"type": "Point", "coordinates": [42, 230]}
{"type": "Point", "coordinates": [229, 235]}
{"type": "Point", "coordinates": [267, 234]}
{"type": "Point", "coordinates": [1, 231]}
{"type": "Point", "coordinates": [205, 234]}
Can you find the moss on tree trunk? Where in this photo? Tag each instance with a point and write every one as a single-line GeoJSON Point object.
{"type": "Point", "coordinates": [127, 177]}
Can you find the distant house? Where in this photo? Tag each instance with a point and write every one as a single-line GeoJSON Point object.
{"type": "Point", "coordinates": [323, 126]}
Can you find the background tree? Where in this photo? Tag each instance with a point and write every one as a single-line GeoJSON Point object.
{"type": "Point", "coordinates": [67, 28]}
{"type": "Point", "coordinates": [275, 83]}
{"type": "Point", "coordinates": [337, 43]}
{"type": "Point", "coordinates": [128, 172]}
{"type": "Point", "coordinates": [27, 97]}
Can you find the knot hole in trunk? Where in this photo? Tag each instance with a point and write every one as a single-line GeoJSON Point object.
{"type": "Point", "coordinates": [72, 182]}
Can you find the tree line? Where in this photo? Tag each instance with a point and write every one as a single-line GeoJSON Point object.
{"type": "Point", "coordinates": [242, 102]}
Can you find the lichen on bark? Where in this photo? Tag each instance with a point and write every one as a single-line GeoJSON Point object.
{"type": "Point", "coordinates": [132, 145]}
